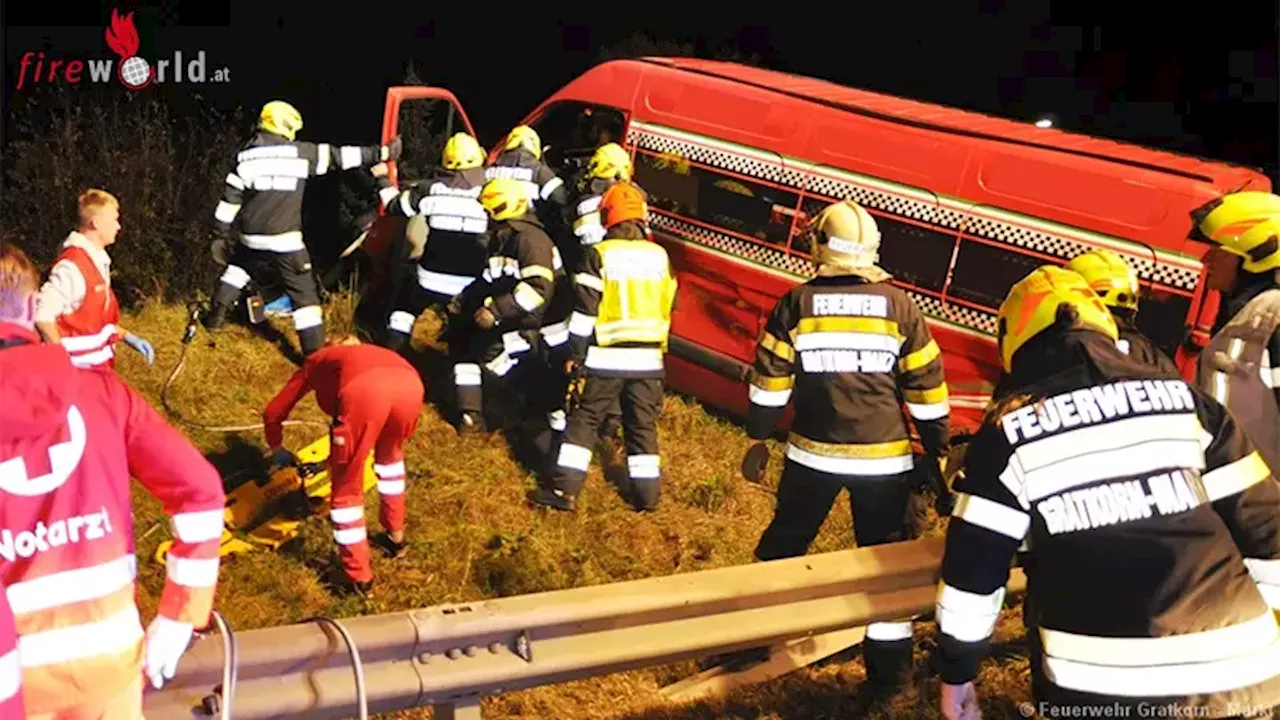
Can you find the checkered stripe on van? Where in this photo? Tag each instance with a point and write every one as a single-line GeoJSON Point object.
{"type": "Point", "coordinates": [769, 257]}
{"type": "Point", "coordinates": [894, 204]}
{"type": "Point", "coordinates": [959, 314]}
{"type": "Point", "coordinates": [1068, 248]}
{"type": "Point", "coordinates": [741, 163]}
{"type": "Point", "coordinates": [901, 206]}
{"type": "Point", "coordinates": [737, 247]}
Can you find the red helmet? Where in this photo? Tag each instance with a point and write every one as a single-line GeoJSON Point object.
{"type": "Point", "coordinates": [621, 202]}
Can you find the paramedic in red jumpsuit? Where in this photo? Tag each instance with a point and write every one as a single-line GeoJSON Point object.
{"type": "Point", "coordinates": [375, 398]}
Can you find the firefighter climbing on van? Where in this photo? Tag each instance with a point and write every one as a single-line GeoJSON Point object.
{"type": "Point", "coordinates": [70, 440]}
{"type": "Point", "coordinates": [1240, 367]}
{"type": "Point", "coordinates": [375, 399]}
{"type": "Point", "coordinates": [608, 166]}
{"type": "Point", "coordinates": [1116, 282]}
{"type": "Point", "coordinates": [848, 348]}
{"type": "Point", "coordinates": [76, 305]}
{"type": "Point", "coordinates": [618, 334]}
{"type": "Point", "coordinates": [456, 248]}
{"type": "Point", "coordinates": [262, 200]}
{"type": "Point", "coordinates": [521, 160]}
{"type": "Point", "coordinates": [508, 302]}
{"type": "Point", "coordinates": [1153, 523]}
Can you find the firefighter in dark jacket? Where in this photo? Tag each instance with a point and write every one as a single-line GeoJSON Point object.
{"type": "Point", "coordinates": [521, 160]}
{"type": "Point", "coordinates": [1153, 522]}
{"type": "Point", "coordinates": [456, 248]}
{"type": "Point", "coordinates": [1240, 367]}
{"type": "Point", "coordinates": [848, 348]}
{"type": "Point", "coordinates": [507, 303]}
{"type": "Point", "coordinates": [609, 165]}
{"type": "Point", "coordinates": [262, 200]}
{"type": "Point", "coordinates": [618, 333]}
{"type": "Point", "coordinates": [1116, 282]}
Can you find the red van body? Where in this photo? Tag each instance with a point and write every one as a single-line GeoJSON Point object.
{"type": "Point", "coordinates": [735, 159]}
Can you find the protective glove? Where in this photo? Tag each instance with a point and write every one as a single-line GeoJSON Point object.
{"type": "Point", "coordinates": [754, 462]}
{"type": "Point", "coordinates": [166, 641]}
{"type": "Point", "coordinates": [219, 250]}
{"type": "Point", "coordinates": [960, 702]}
{"type": "Point", "coordinates": [379, 170]}
{"type": "Point", "coordinates": [485, 319]}
{"type": "Point", "coordinates": [391, 151]}
{"type": "Point", "coordinates": [142, 346]}
{"type": "Point", "coordinates": [455, 305]}
{"type": "Point", "coordinates": [280, 457]}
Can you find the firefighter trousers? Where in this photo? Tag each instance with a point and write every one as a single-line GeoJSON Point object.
{"type": "Point", "coordinates": [558, 418]}
{"type": "Point", "coordinates": [125, 704]}
{"type": "Point", "coordinates": [509, 358]}
{"type": "Point", "coordinates": [378, 412]}
{"type": "Point", "coordinates": [294, 270]}
{"type": "Point", "coordinates": [412, 302]}
{"type": "Point", "coordinates": [879, 505]}
{"type": "Point", "coordinates": [641, 404]}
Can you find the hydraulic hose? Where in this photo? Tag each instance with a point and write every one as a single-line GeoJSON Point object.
{"type": "Point", "coordinates": [192, 325]}
{"type": "Point", "coordinates": [362, 698]}
{"type": "Point", "coordinates": [230, 664]}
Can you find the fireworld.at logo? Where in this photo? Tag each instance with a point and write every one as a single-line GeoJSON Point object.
{"type": "Point", "coordinates": [132, 70]}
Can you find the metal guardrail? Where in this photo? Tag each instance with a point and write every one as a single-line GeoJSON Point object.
{"type": "Point", "coordinates": [449, 656]}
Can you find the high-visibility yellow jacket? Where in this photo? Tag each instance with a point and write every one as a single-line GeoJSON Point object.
{"type": "Point", "coordinates": [624, 292]}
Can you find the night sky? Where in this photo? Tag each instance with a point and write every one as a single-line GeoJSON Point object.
{"type": "Point", "coordinates": [1205, 84]}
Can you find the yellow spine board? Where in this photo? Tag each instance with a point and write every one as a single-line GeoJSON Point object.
{"type": "Point", "coordinates": [249, 527]}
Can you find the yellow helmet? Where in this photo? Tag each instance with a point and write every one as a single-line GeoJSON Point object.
{"type": "Point", "coordinates": [1245, 224]}
{"type": "Point", "coordinates": [525, 137]}
{"type": "Point", "coordinates": [280, 118]}
{"type": "Point", "coordinates": [504, 198]}
{"type": "Point", "coordinates": [610, 162]}
{"type": "Point", "coordinates": [462, 152]}
{"type": "Point", "coordinates": [1032, 307]}
{"type": "Point", "coordinates": [1113, 279]}
{"type": "Point", "coordinates": [845, 234]}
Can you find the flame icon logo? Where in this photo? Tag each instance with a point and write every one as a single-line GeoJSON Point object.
{"type": "Point", "coordinates": [122, 37]}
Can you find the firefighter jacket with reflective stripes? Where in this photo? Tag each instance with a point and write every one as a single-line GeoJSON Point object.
{"type": "Point", "coordinates": [848, 352]}
{"type": "Point", "coordinates": [624, 291]}
{"type": "Point", "coordinates": [1139, 347]}
{"type": "Point", "coordinates": [586, 211]}
{"type": "Point", "coordinates": [1236, 368]}
{"type": "Point", "coordinates": [1153, 528]}
{"type": "Point", "coordinates": [78, 298]}
{"type": "Point", "coordinates": [457, 243]}
{"type": "Point", "coordinates": [11, 705]}
{"type": "Point", "coordinates": [520, 273]}
{"type": "Point", "coordinates": [70, 440]}
{"type": "Point", "coordinates": [262, 195]}
{"type": "Point", "coordinates": [542, 182]}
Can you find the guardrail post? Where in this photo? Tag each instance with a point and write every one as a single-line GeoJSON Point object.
{"type": "Point", "coordinates": [464, 709]}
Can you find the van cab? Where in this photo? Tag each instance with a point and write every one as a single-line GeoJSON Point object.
{"type": "Point", "coordinates": [735, 159]}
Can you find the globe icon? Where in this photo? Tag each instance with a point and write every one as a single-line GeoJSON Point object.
{"type": "Point", "coordinates": [135, 72]}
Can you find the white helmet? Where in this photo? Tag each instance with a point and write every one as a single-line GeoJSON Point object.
{"type": "Point", "coordinates": [845, 234]}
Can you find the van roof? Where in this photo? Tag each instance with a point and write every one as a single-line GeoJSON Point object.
{"type": "Point", "coordinates": [1224, 175]}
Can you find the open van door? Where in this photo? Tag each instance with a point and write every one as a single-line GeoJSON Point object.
{"type": "Point", "coordinates": [424, 118]}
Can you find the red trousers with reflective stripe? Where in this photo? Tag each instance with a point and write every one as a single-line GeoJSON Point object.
{"type": "Point", "coordinates": [377, 413]}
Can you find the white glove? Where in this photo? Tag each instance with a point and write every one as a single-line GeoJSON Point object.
{"type": "Point", "coordinates": [167, 640]}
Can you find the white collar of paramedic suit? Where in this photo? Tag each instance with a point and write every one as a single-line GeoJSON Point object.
{"type": "Point", "coordinates": [97, 254]}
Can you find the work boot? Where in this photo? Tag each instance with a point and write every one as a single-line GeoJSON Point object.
{"type": "Point", "coordinates": [555, 499]}
{"type": "Point", "coordinates": [389, 547]}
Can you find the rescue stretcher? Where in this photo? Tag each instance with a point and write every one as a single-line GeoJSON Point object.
{"type": "Point", "coordinates": [263, 517]}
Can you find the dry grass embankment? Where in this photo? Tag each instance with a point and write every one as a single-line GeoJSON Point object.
{"type": "Point", "coordinates": [473, 537]}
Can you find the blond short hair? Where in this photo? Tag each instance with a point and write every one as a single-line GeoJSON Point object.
{"type": "Point", "coordinates": [93, 201]}
{"type": "Point", "coordinates": [18, 282]}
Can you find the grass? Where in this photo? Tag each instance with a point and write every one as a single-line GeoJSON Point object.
{"type": "Point", "coordinates": [473, 537]}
